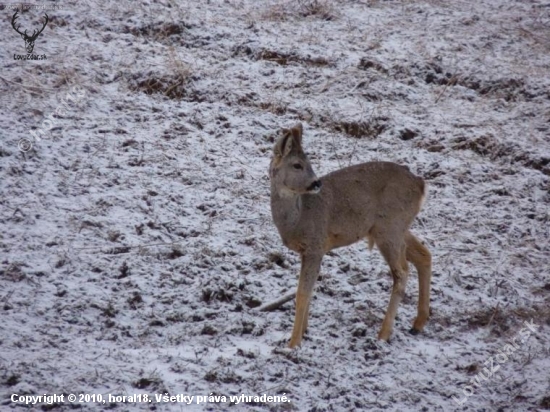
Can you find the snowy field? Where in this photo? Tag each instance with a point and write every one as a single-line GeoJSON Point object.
{"type": "Point", "coordinates": [136, 240]}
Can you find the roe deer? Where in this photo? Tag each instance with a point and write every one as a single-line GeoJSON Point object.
{"type": "Point", "coordinates": [376, 201]}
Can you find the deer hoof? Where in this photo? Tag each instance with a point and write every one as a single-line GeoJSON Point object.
{"type": "Point", "coordinates": [414, 331]}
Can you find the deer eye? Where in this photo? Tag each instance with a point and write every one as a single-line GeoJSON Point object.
{"type": "Point", "coordinates": [297, 166]}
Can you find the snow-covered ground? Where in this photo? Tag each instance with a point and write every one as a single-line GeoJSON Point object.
{"type": "Point", "coordinates": [136, 240]}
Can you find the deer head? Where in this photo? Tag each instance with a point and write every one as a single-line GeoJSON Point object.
{"type": "Point", "coordinates": [290, 168]}
{"type": "Point", "coordinates": [29, 40]}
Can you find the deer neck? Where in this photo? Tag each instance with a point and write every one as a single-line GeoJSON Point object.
{"type": "Point", "coordinates": [286, 208]}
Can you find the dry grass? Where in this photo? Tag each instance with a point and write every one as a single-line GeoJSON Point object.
{"type": "Point", "coordinates": [173, 86]}
{"type": "Point", "coordinates": [292, 10]}
{"type": "Point", "coordinates": [503, 321]}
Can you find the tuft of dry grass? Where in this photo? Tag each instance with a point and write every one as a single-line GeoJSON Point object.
{"type": "Point", "coordinates": [502, 321]}
{"type": "Point", "coordinates": [173, 86]}
{"type": "Point", "coordinates": [291, 10]}
{"type": "Point", "coordinates": [488, 146]}
{"type": "Point", "coordinates": [159, 31]}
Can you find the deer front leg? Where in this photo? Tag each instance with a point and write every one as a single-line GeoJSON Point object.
{"type": "Point", "coordinates": [398, 290]}
{"type": "Point", "coordinates": [308, 275]}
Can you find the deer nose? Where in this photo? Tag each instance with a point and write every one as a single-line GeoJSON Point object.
{"type": "Point", "coordinates": [315, 186]}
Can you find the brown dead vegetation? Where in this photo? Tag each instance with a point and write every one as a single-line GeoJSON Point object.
{"type": "Point", "coordinates": [279, 57]}
{"type": "Point", "coordinates": [370, 129]}
{"type": "Point", "coordinates": [174, 86]}
{"type": "Point", "coordinates": [309, 9]}
{"type": "Point", "coordinates": [505, 321]}
{"type": "Point", "coordinates": [158, 31]}
{"type": "Point", "coordinates": [488, 146]}
{"type": "Point", "coordinates": [507, 88]}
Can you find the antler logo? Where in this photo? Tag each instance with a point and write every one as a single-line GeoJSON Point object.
{"type": "Point", "coordinates": [29, 40]}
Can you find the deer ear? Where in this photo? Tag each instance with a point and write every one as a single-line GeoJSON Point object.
{"type": "Point", "coordinates": [297, 133]}
{"type": "Point", "coordinates": [284, 145]}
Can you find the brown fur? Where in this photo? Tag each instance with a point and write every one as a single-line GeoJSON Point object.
{"type": "Point", "coordinates": [376, 201]}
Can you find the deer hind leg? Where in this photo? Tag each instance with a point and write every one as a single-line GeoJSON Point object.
{"type": "Point", "coordinates": [394, 254]}
{"type": "Point", "coordinates": [420, 257]}
{"type": "Point", "coordinates": [308, 275]}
